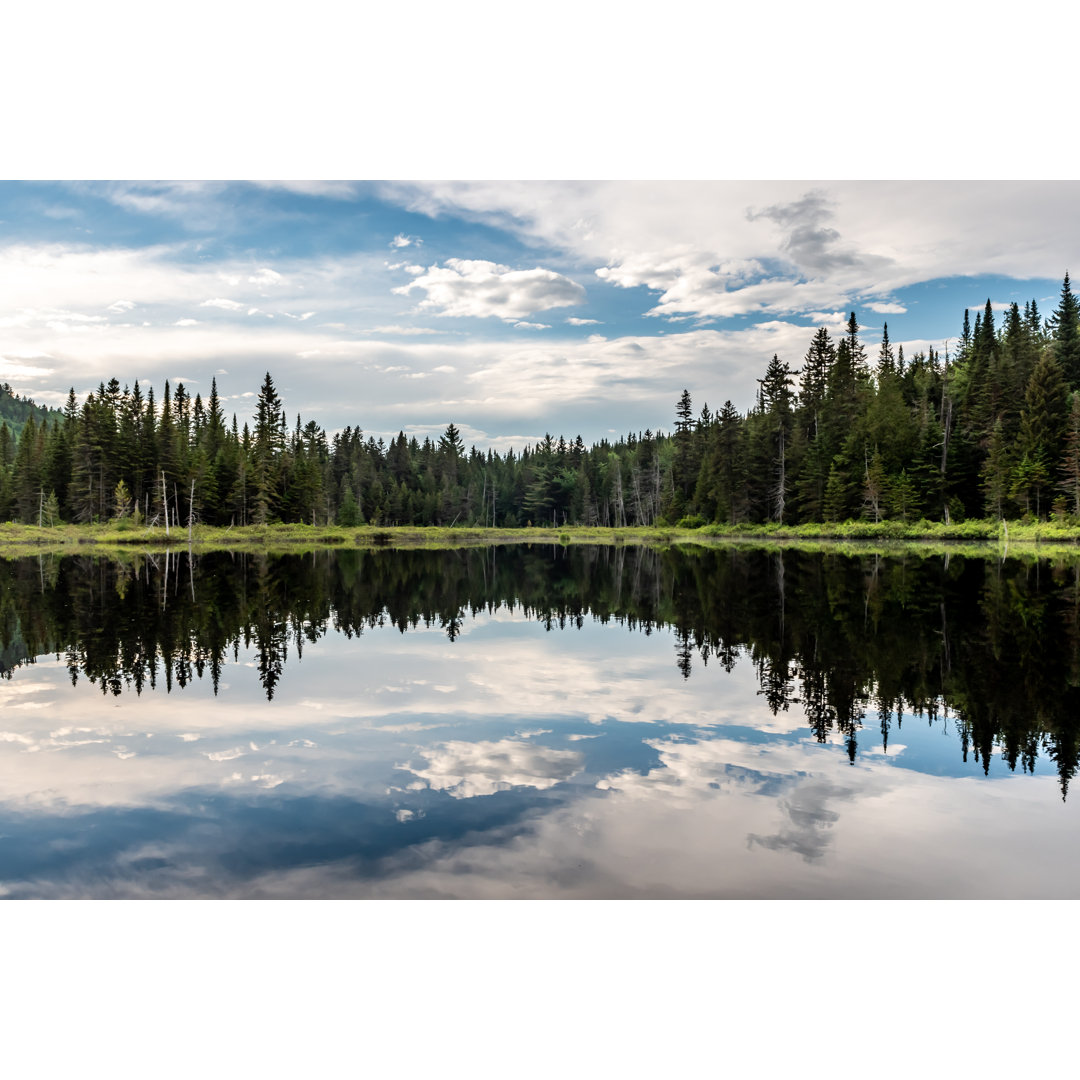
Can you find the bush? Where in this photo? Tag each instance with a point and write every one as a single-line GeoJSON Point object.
{"type": "Point", "coordinates": [691, 521]}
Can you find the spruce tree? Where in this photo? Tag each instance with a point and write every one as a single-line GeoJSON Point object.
{"type": "Point", "coordinates": [1066, 329]}
{"type": "Point", "coordinates": [886, 367]}
{"type": "Point", "coordinates": [1070, 465]}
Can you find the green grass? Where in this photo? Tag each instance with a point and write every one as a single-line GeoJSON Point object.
{"type": "Point", "coordinates": [1053, 537]}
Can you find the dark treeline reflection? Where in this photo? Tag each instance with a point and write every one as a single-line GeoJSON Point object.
{"type": "Point", "coordinates": [856, 641]}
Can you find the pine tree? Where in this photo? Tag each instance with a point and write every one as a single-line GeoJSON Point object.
{"type": "Point", "coordinates": [1045, 412]}
{"type": "Point", "coordinates": [685, 464]}
{"type": "Point", "coordinates": [1065, 323]}
{"type": "Point", "coordinates": [1070, 465]}
{"type": "Point", "coordinates": [269, 444]}
{"type": "Point", "coordinates": [857, 356]}
{"type": "Point", "coordinates": [837, 492]}
{"type": "Point", "coordinates": [886, 368]}
{"type": "Point", "coordinates": [995, 474]}
{"type": "Point", "coordinates": [903, 498]}
{"type": "Point", "coordinates": [817, 364]}
{"type": "Point", "coordinates": [776, 404]}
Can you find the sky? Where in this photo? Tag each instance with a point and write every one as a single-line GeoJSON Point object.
{"type": "Point", "coordinates": [509, 308]}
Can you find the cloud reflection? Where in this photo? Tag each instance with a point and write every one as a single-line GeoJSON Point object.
{"type": "Point", "coordinates": [467, 769]}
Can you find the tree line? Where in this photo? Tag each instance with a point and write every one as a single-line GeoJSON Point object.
{"type": "Point", "coordinates": [991, 429]}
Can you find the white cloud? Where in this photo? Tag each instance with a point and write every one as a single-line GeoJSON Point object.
{"type": "Point", "coordinates": [477, 288]}
{"type": "Point", "coordinates": [227, 755]}
{"type": "Point", "coordinates": [121, 306]}
{"type": "Point", "coordinates": [186, 322]}
{"type": "Point", "coordinates": [883, 308]}
{"type": "Point", "coordinates": [172, 198]}
{"type": "Point", "coordinates": [995, 305]}
{"type": "Point", "coordinates": [403, 241]}
{"type": "Point", "coordinates": [327, 189]}
{"type": "Point", "coordinates": [531, 326]}
{"type": "Point", "coordinates": [575, 321]}
{"type": "Point", "coordinates": [719, 248]}
{"type": "Point", "coordinates": [225, 305]}
{"type": "Point", "coordinates": [11, 368]}
{"type": "Point", "coordinates": [265, 276]}
{"type": "Point", "coordinates": [467, 769]}
{"type": "Point", "coordinates": [405, 331]}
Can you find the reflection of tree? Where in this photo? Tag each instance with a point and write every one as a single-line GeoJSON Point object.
{"type": "Point", "coordinates": [994, 646]}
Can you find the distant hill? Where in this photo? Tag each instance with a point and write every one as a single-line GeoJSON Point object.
{"type": "Point", "coordinates": [16, 410]}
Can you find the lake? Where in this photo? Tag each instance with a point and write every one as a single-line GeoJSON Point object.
{"type": "Point", "coordinates": [530, 721]}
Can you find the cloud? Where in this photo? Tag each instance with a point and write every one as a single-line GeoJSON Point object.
{"type": "Point", "coordinates": [468, 769]}
{"type": "Point", "coordinates": [807, 240]}
{"type": "Point", "coordinates": [999, 306]}
{"type": "Point", "coordinates": [227, 755]}
{"type": "Point", "coordinates": [265, 276]}
{"type": "Point", "coordinates": [405, 331]}
{"type": "Point", "coordinates": [121, 306]}
{"type": "Point", "coordinates": [186, 322]}
{"type": "Point", "coordinates": [225, 305]}
{"type": "Point", "coordinates": [531, 326]}
{"type": "Point", "coordinates": [189, 201]}
{"type": "Point", "coordinates": [12, 368]}
{"type": "Point", "coordinates": [725, 248]}
{"type": "Point", "coordinates": [476, 288]}
{"type": "Point", "coordinates": [575, 321]}
{"type": "Point", "coordinates": [887, 308]}
{"type": "Point", "coordinates": [403, 241]}
{"type": "Point", "coordinates": [344, 190]}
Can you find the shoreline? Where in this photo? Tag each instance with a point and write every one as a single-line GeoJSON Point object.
{"type": "Point", "coordinates": [975, 538]}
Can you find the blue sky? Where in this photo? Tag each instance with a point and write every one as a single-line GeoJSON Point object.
{"type": "Point", "coordinates": [509, 308]}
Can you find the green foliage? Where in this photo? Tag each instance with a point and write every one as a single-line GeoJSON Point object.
{"type": "Point", "coordinates": [349, 513]}
{"type": "Point", "coordinates": [989, 431]}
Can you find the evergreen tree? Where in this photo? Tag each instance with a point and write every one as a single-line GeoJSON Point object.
{"type": "Point", "coordinates": [1070, 464]}
{"type": "Point", "coordinates": [1065, 323]}
{"type": "Point", "coordinates": [886, 367]}
{"type": "Point", "coordinates": [776, 405]}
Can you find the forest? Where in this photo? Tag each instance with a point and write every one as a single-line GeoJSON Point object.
{"type": "Point", "coordinates": [991, 430]}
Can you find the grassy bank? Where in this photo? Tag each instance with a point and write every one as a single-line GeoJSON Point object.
{"type": "Point", "coordinates": [887, 536]}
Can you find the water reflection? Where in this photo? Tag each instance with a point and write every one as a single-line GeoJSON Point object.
{"type": "Point", "coordinates": [709, 723]}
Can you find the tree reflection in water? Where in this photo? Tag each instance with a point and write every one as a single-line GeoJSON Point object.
{"type": "Point", "coordinates": [990, 646]}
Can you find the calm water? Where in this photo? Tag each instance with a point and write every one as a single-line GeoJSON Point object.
{"type": "Point", "coordinates": [538, 722]}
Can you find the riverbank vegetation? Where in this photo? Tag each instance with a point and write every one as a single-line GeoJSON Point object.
{"type": "Point", "coordinates": [963, 439]}
{"type": "Point", "coordinates": [977, 538]}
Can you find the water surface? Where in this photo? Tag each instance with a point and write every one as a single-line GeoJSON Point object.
{"type": "Point", "coordinates": [538, 722]}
